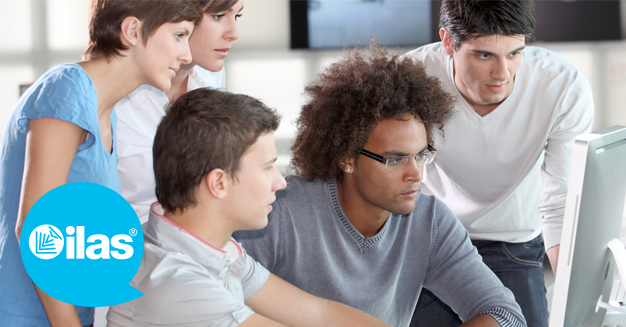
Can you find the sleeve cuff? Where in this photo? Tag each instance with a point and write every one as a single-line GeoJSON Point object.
{"type": "Point", "coordinates": [503, 317]}
{"type": "Point", "coordinates": [552, 235]}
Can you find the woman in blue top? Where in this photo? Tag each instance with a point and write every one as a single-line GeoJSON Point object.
{"type": "Point", "coordinates": [62, 130]}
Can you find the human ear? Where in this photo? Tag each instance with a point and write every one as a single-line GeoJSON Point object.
{"type": "Point", "coordinates": [446, 40]}
{"type": "Point", "coordinates": [131, 31]}
{"type": "Point", "coordinates": [217, 183]}
{"type": "Point", "coordinates": [347, 165]}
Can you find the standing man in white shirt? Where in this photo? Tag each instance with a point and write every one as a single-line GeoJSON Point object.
{"type": "Point", "coordinates": [140, 113]}
{"type": "Point", "coordinates": [503, 164]}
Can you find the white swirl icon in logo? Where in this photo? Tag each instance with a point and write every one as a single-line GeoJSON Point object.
{"type": "Point", "coordinates": [46, 242]}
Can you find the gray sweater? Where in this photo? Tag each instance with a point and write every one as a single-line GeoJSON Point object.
{"type": "Point", "coordinates": [310, 243]}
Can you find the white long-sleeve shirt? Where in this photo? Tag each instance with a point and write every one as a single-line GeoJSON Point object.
{"type": "Point", "coordinates": [489, 170]}
{"type": "Point", "coordinates": [138, 116]}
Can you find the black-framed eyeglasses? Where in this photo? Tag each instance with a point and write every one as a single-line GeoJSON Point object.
{"type": "Point", "coordinates": [422, 158]}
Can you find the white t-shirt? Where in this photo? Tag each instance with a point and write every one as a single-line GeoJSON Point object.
{"type": "Point", "coordinates": [138, 116]}
{"type": "Point", "coordinates": [187, 281]}
{"type": "Point", "coordinates": [495, 171]}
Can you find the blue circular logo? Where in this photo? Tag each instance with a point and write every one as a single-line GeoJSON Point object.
{"type": "Point", "coordinates": [46, 242]}
{"type": "Point", "coordinates": [82, 244]}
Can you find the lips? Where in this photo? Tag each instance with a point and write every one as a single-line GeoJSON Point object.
{"type": "Point", "coordinates": [269, 206]}
{"type": "Point", "coordinates": [410, 193]}
{"type": "Point", "coordinates": [173, 71]}
{"type": "Point", "coordinates": [496, 87]}
{"type": "Point", "coordinates": [222, 52]}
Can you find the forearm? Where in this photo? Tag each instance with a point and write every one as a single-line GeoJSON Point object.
{"type": "Point", "coordinates": [342, 315]}
{"type": "Point", "coordinates": [553, 256]}
{"type": "Point", "coordinates": [482, 321]}
{"type": "Point", "coordinates": [51, 146]}
{"type": "Point", "coordinates": [59, 313]}
{"type": "Point", "coordinates": [289, 305]}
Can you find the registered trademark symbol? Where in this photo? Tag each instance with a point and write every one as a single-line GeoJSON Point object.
{"type": "Point", "coordinates": [133, 232]}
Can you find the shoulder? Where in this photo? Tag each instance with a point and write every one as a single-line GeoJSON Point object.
{"type": "Point", "coordinates": [64, 92]}
{"type": "Point", "coordinates": [545, 64]}
{"type": "Point", "coordinates": [301, 196]}
{"type": "Point", "coordinates": [297, 188]}
{"type": "Point", "coordinates": [550, 79]}
{"type": "Point", "coordinates": [164, 272]}
{"type": "Point", "coordinates": [70, 71]}
{"type": "Point", "coordinates": [66, 80]}
{"type": "Point", "coordinates": [538, 53]}
{"type": "Point", "coordinates": [429, 205]}
{"type": "Point", "coordinates": [177, 290]}
{"type": "Point", "coordinates": [430, 52]}
{"type": "Point", "coordinates": [431, 213]}
{"type": "Point", "coordinates": [434, 58]}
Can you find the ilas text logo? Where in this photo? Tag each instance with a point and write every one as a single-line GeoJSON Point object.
{"type": "Point", "coordinates": [82, 244]}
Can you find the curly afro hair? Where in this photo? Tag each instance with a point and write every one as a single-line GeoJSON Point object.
{"type": "Point", "coordinates": [350, 97]}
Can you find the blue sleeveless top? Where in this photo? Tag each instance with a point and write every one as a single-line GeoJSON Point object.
{"type": "Point", "coordinates": [65, 92]}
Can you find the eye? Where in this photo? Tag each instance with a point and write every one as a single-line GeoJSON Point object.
{"type": "Point", "coordinates": [426, 157]}
{"type": "Point", "coordinates": [217, 17]}
{"type": "Point", "coordinates": [397, 161]}
{"type": "Point", "coordinates": [179, 35]}
{"type": "Point", "coordinates": [238, 16]}
{"type": "Point", "coordinates": [515, 54]}
{"type": "Point", "coordinates": [483, 56]}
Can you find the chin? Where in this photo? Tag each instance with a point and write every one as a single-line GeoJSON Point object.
{"type": "Point", "coordinates": [213, 66]}
{"type": "Point", "coordinates": [163, 86]}
{"type": "Point", "coordinates": [403, 210]}
{"type": "Point", "coordinates": [259, 224]}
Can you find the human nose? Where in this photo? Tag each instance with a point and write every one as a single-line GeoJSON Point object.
{"type": "Point", "coordinates": [278, 182]}
{"type": "Point", "coordinates": [500, 69]}
{"type": "Point", "coordinates": [232, 33]}
{"type": "Point", "coordinates": [413, 170]}
{"type": "Point", "coordinates": [185, 54]}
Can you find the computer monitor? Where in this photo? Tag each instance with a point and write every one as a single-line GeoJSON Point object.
{"type": "Point", "coordinates": [593, 216]}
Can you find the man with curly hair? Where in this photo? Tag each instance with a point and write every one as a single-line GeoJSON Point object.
{"type": "Point", "coordinates": [503, 166]}
{"type": "Point", "coordinates": [353, 226]}
{"type": "Point", "coordinates": [214, 171]}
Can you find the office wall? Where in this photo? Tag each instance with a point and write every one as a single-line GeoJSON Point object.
{"type": "Point", "coordinates": [39, 34]}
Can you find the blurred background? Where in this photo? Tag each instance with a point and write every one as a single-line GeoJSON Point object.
{"type": "Point", "coordinates": [283, 45]}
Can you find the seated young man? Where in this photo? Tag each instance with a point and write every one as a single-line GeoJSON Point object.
{"type": "Point", "coordinates": [214, 157]}
{"type": "Point", "coordinates": [353, 226]}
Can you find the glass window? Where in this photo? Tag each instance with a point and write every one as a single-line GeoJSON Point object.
{"type": "Point", "coordinates": [67, 24]}
{"type": "Point", "coordinates": [12, 77]}
{"type": "Point", "coordinates": [273, 81]}
{"type": "Point", "coordinates": [16, 25]}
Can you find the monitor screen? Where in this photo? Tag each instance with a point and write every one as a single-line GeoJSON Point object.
{"type": "Point", "coordinates": [593, 216]}
{"type": "Point", "coordinates": [566, 21]}
{"type": "Point", "coordinates": [328, 24]}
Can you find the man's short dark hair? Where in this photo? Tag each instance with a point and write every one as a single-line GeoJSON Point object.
{"type": "Point", "coordinates": [106, 16]}
{"type": "Point", "coordinates": [350, 97]}
{"type": "Point", "coordinates": [203, 130]}
{"type": "Point", "coordinates": [468, 19]}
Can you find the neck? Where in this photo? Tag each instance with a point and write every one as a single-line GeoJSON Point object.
{"type": "Point", "coordinates": [180, 83]}
{"type": "Point", "coordinates": [204, 223]}
{"type": "Point", "coordinates": [481, 109]}
{"type": "Point", "coordinates": [110, 88]}
{"type": "Point", "coordinates": [367, 218]}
